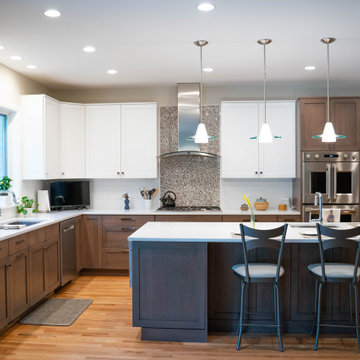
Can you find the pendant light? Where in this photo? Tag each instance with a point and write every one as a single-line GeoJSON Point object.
{"type": "Point", "coordinates": [201, 136]}
{"type": "Point", "coordinates": [265, 135]}
{"type": "Point", "coordinates": [328, 134]}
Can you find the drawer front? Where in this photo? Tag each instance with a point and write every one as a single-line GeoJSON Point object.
{"type": "Point", "coordinates": [114, 237]}
{"type": "Point", "coordinates": [126, 220]}
{"type": "Point", "coordinates": [189, 218]}
{"type": "Point", "coordinates": [52, 231]}
{"type": "Point", "coordinates": [18, 243]}
{"type": "Point", "coordinates": [116, 259]}
{"type": "Point", "coordinates": [246, 218]}
{"type": "Point", "coordinates": [289, 218]}
{"type": "Point", "coordinates": [37, 236]}
{"type": "Point", "coordinates": [4, 249]}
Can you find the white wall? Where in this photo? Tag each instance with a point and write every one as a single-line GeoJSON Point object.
{"type": "Point", "coordinates": [232, 191]}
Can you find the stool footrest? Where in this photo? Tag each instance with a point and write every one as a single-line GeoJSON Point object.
{"type": "Point", "coordinates": [262, 325]}
{"type": "Point", "coordinates": [339, 326]}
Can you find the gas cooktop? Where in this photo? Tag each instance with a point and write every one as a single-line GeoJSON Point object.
{"type": "Point", "coordinates": [190, 208]}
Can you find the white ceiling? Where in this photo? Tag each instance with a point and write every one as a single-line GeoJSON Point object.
{"type": "Point", "coordinates": [151, 42]}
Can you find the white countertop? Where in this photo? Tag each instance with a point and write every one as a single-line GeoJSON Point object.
{"type": "Point", "coordinates": [219, 231]}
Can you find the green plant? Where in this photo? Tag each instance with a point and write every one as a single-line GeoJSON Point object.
{"type": "Point", "coordinates": [26, 203]}
{"type": "Point", "coordinates": [5, 183]}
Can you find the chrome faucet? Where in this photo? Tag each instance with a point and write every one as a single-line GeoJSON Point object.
{"type": "Point", "coordinates": [318, 201]}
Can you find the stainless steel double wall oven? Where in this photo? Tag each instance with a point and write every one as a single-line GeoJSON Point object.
{"type": "Point", "coordinates": [336, 176]}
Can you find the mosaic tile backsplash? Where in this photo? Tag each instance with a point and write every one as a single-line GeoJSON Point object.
{"type": "Point", "coordinates": [194, 179]}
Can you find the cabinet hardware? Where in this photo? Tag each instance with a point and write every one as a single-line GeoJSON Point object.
{"type": "Point", "coordinates": [19, 256]}
{"type": "Point", "coordinates": [128, 228]}
{"type": "Point", "coordinates": [124, 251]}
{"type": "Point", "coordinates": [122, 173]}
{"type": "Point", "coordinates": [261, 172]}
{"type": "Point", "coordinates": [118, 172]}
{"type": "Point", "coordinates": [62, 173]}
{"type": "Point", "coordinates": [8, 265]}
{"type": "Point", "coordinates": [69, 228]}
{"type": "Point", "coordinates": [20, 241]}
{"type": "Point", "coordinates": [256, 172]}
{"type": "Point", "coordinates": [46, 247]}
{"type": "Point", "coordinates": [128, 219]}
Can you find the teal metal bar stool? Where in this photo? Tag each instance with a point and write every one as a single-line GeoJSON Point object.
{"type": "Point", "coordinates": [336, 273]}
{"type": "Point", "coordinates": [260, 272]}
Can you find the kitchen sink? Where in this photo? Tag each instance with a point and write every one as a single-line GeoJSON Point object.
{"type": "Point", "coordinates": [18, 224]}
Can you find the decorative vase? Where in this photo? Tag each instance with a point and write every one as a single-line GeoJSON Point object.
{"type": "Point", "coordinates": [127, 204]}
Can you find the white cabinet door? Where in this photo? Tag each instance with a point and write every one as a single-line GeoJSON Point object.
{"type": "Point", "coordinates": [103, 141]}
{"type": "Point", "coordinates": [277, 159]}
{"type": "Point", "coordinates": [40, 137]}
{"type": "Point", "coordinates": [73, 141]}
{"type": "Point", "coordinates": [139, 140]}
{"type": "Point", "coordinates": [239, 154]}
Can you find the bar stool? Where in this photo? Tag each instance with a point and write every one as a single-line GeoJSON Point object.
{"type": "Point", "coordinates": [260, 272]}
{"type": "Point", "coordinates": [336, 273]}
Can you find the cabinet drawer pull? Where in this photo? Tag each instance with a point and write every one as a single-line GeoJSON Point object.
{"type": "Point", "coordinates": [125, 251]}
{"type": "Point", "coordinates": [69, 228]}
{"type": "Point", "coordinates": [8, 265]}
{"type": "Point", "coordinates": [130, 228]}
{"type": "Point", "coordinates": [19, 256]}
{"type": "Point", "coordinates": [46, 247]}
{"type": "Point", "coordinates": [19, 241]}
{"type": "Point", "coordinates": [128, 219]}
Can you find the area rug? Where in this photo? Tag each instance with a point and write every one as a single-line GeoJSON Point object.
{"type": "Point", "coordinates": [57, 312]}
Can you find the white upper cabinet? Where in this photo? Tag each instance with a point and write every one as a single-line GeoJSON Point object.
{"type": "Point", "coordinates": [103, 141]}
{"type": "Point", "coordinates": [40, 134]}
{"type": "Point", "coordinates": [139, 141]}
{"type": "Point", "coordinates": [242, 157]}
{"type": "Point", "coordinates": [121, 141]}
{"type": "Point", "coordinates": [72, 140]}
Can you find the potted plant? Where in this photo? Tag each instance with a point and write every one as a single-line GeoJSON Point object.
{"type": "Point", "coordinates": [26, 203]}
{"type": "Point", "coordinates": [5, 185]}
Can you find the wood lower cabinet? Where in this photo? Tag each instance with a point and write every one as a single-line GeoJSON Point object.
{"type": "Point", "coordinates": [4, 293]}
{"type": "Point", "coordinates": [37, 273]}
{"type": "Point", "coordinates": [289, 218]}
{"type": "Point", "coordinates": [189, 218]}
{"type": "Point", "coordinates": [79, 232]}
{"type": "Point", "coordinates": [19, 283]}
{"type": "Point", "coordinates": [246, 218]}
{"type": "Point", "coordinates": [52, 264]}
{"type": "Point", "coordinates": [91, 242]}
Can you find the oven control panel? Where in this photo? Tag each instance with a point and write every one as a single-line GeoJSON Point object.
{"type": "Point", "coordinates": [330, 156]}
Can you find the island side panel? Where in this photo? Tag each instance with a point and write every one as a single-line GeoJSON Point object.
{"type": "Point", "coordinates": [170, 290]}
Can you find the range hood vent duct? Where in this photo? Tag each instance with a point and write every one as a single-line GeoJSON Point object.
{"type": "Point", "coordinates": [188, 121]}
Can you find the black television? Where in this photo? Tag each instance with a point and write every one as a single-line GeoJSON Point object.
{"type": "Point", "coordinates": [71, 194]}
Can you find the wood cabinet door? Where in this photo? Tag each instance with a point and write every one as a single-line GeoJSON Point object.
{"type": "Point", "coordinates": [4, 293]}
{"type": "Point", "coordinates": [36, 273]}
{"type": "Point", "coordinates": [52, 139]}
{"type": "Point", "coordinates": [52, 264]}
{"type": "Point", "coordinates": [313, 115]}
{"type": "Point", "coordinates": [73, 145]}
{"type": "Point", "coordinates": [345, 115]}
{"type": "Point", "coordinates": [139, 126]}
{"type": "Point", "coordinates": [277, 159]}
{"type": "Point", "coordinates": [103, 141]}
{"type": "Point", "coordinates": [91, 243]}
{"type": "Point", "coordinates": [78, 228]}
{"type": "Point", "coordinates": [19, 283]}
{"type": "Point", "coordinates": [239, 154]}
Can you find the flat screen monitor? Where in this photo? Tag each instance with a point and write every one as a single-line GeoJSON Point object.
{"type": "Point", "coordinates": [69, 194]}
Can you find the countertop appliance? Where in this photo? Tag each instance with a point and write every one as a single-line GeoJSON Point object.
{"type": "Point", "coordinates": [68, 269]}
{"type": "Point", "coordinates": [190, 208]}
{"type": "Point", "coordinates": [70, 194]}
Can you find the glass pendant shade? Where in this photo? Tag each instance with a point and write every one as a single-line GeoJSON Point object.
{"type": "Point", "coordinates": [328, 134]}
{"type": "Point", "coordinates": [201, 136]}
{"type": "Point", "coordinates": [265, 135]}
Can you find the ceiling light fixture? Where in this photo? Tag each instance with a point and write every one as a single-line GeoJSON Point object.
{"type": "Point", "coordinates": [89, 49]}
{"type": "Point", "coordinates": [31, 67]}
{"type": "Point", "coordinates": [15, 57]}
{"type": "Point", "coordinates": [265, 135]}
{"type": "Point", "coordinates": [201, 136]}
{"type": "Point", "coordinates": [205, 6]}
{"type": "Point", "coordinates": [310, 67]}
{"type": "Point", "coordinates": [53, 13]}
{"type": "Point", "coordinates": [208, 69]}
{"type": "Point", "coordinates": [328, 134]}
{"type": "Point", "coordinates": [112, 71]}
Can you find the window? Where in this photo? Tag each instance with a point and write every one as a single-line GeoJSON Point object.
{"type": "Point", "coordinates": [3, 145]}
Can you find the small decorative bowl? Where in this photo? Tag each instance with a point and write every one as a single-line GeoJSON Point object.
{"type": "Point", "coordinates": [244, 207]}
{"type": "Point", "coordinates": [261, 204]}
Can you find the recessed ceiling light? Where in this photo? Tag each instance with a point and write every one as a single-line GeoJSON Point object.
{"type": "Point", "coordinates": [15, 57]}
{"type": "Point", "coordinates": [112, 71]}
{"type": "Point", "coordinates": [89, 49]}
{"type": "Point", "coordinates": [32, 67]}
{"type": "Point", "coordinates": [205, 7]}
{"type": "Point", "coordinates": [208, 69]}
{"type": "Point", "coordinates": [53, 13]}
{"type": "Point", "coordinates": [1, 47]}
{"type": "Point", "coordinates": [310, 67]}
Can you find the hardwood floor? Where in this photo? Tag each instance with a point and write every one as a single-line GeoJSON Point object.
{"type": "Point", "coordinates": [104, 332]}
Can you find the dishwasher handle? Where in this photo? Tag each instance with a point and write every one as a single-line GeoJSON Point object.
{"type": "Point", "coordinates": [72, 227]}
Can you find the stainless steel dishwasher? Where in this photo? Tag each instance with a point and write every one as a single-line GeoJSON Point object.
{"type": "Point", "coordinates": [68, 251]}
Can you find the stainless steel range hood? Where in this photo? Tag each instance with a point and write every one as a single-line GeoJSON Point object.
{"type": "Point", "coordinates": [188, 120]}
